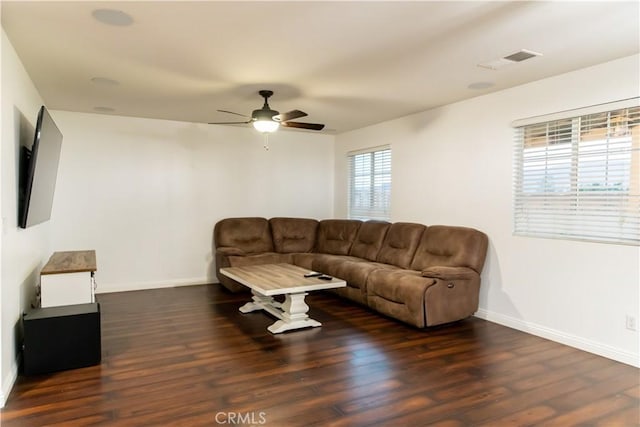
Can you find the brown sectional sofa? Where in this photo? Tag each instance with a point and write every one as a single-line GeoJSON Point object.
{"type": "Point", "coordinates": [421, 275]}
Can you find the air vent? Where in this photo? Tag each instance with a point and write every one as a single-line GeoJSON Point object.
{"type": "Point", "coordinates": [521, 55]}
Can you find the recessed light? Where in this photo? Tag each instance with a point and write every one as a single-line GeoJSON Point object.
{"type": "Point", "coordinates": [104, 109]}
{"type": "Point", "coordinates": [112, 17]}
{"type": "Point", "coordinates": [480, 85]}
{"type": "Point", "coordinates": [103, 81]}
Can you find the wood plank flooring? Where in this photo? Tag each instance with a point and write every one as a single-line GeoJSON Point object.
{"type": "Point", "coordinates": [187, 357]}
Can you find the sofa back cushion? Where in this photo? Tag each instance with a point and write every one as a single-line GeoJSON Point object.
{"type": "Point", "coordinates": [450, 246]}
{"type": "Point", "coordinates": [252, 235]}
{"type": "Point", "coordinates": [293, 234]}
{"type": "Point", "coordinates": [335, 236]}
{"type": "Point", "coordinates": [400, 243]}
{"type": "Point", "coordinates": [369, 239]}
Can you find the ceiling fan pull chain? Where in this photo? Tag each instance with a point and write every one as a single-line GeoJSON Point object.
{"type": "Point", "coordinates": [266, 141]}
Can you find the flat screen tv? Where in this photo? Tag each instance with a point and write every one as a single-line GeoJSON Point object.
{"type": "Point", "coordinates": [38, 172]}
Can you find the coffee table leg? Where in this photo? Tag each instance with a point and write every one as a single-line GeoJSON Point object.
{"type": "Point", "coordinates": [294, 315]}
{"type": "Point", "coordinates": [260, 302]}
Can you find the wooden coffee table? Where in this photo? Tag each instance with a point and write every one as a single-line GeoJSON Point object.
{"type": "Point", "coordinates": [268, 280]}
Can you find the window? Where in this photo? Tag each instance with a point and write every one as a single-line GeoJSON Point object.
{"type": "Point", "coordinates": [578, 177]}
{"type": "Point", "coordinates": [370, 184]}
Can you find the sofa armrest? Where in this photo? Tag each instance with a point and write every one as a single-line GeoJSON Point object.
{"type": "Point", "coordinates": [230, 251]}
{"type": "Point", "coordinates": [449, 273]}
{"type": "Point", "coordinates": [454, 296]}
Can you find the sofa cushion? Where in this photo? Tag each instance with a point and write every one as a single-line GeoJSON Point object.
{"type": "Point", "coordinates": [356, 273]}
{"type": "Point", "coordinates": [251, 235]}
{"type": "Point", "coordinates": [335, 236]}
{"type": "Point", "coordinates": [303, 259]}
{"type": "Point", "coordinates": [449, 246]}
{"type": "Point", "coordinates": [369, 239]}
{"type": "Point", "coordinates": [293, 234]}
{"type": "Point", "coordinates": [326, 263]}
{"type": "Point", "coordinates": [400, 244]}
{"type": "Point", "coordinates": [352, 270]}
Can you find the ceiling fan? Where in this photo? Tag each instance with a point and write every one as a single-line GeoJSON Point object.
{"type": "Point", "coordinates": [267, 120]}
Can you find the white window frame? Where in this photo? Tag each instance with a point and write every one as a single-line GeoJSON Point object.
{"type": "Point", "coordinates": [369, 188]}
{"type": "Point", "coordinates": [577, 173]}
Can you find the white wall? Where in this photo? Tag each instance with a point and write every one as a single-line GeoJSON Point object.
{"type": "Point", "coordinates": [23, 251]}
{"type": "Point", "coordinates": [145, 194]}
{"type": "Point", "coordinates": [453, 165]}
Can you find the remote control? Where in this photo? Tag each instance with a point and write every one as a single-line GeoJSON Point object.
{"type": "Point", "coordinates": [325, 277]}
{"type": "Point", "coordinates": [313, 274]}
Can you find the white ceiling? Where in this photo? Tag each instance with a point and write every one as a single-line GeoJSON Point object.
{"type": "Point", "coordinates": [347, 64]}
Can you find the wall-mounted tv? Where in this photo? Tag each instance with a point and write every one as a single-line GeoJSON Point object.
{"type": "Point", "coordinates": [38, 172]}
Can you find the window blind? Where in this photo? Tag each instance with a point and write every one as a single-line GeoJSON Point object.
{"type": "Point", "coordinates": [370, 183]}
{"type": "Point", "coordinates": [579, 177]}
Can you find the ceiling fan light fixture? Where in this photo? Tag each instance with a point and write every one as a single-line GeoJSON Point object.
{"type": "Point", "coordinates": [266, 126]}
{"type": "Point", "coordinates": [266, 120]}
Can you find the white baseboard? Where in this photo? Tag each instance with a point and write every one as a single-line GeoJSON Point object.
{"type": "Point", "coordinates": [7, 384]}
{"type": "Point", "coordinates": [140, 286]}
{"type": "Point", "coordinates": [581, 343]}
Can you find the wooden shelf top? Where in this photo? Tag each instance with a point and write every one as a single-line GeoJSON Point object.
{"type": "Point", "coordinates": [71, 262]}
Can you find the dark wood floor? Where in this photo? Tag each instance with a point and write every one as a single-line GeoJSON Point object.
{"type": "Point", "coordinates": [187, 357]}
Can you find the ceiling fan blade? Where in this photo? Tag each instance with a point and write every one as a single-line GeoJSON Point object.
{"type": "Point", "coordinates": [230, 123]}
{"type": "Point", "coordinates": [231, 112]}
{"type": "Point", "coordinates": [299, 125]}
{"type": "Point", "coordinates": [289, 115]}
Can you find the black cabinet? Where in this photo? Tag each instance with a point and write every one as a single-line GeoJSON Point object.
{"type": "Point", "coordinates": [59, 338]}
